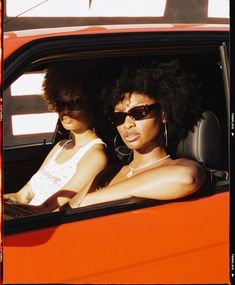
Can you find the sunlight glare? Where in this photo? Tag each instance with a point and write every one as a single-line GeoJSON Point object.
{"type": "Point", "coordinates": [80, 8]}
{"type": "Point", "coordinates": [34, 123]}
{"type": "Point", "coordinates": [218, 8]}
{"type": "Point", "coordinates": [28, 84]}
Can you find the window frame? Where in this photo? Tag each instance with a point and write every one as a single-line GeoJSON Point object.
{"type": "Point", "coordinates": [36, 52]}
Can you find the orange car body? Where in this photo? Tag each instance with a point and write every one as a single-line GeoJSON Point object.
{"type": "Point", "coordinates": [182, 242]}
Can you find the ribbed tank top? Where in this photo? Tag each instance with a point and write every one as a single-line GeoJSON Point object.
{"type": "Point", "coordinates": [53, 176]}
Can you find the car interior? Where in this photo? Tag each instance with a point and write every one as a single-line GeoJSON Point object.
{"type": "Point", "coordinates": [207, 144]}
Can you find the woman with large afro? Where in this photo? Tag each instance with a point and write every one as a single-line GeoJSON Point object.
{"type": "Point", "coordinates": [151, 107]}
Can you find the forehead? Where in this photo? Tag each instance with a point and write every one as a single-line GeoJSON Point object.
{"type": "Point", "coordinates": [132, 100]}
{"type": "Point", "coordinates": [70, 92]}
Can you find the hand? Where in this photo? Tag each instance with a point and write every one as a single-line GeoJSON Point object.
{"type": "Point", "coordinates": [76, 200]}
{"type": "Point", "coordinates": [11, 199]}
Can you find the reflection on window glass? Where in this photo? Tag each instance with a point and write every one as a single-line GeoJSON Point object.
{"type": "Point", "coordinates": [81, 8]}
{"type": "Point", "coordinates": [218, 8]}
{"type": "Point", "coordinates": [28, 84]}
{"type": "Point", "coordinates": [34, 123]}
{"type": "Point", "coordinates": [14, 8]}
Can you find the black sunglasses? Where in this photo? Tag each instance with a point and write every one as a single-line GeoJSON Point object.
{"type": "Point", "coordinates": [73, 105]}
{"type": "Point", "coordinates": [136, 113]}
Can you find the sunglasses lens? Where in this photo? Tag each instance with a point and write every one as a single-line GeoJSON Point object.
{"type": "Point", "coordinates": [136, 113]}
{"type": "Point", "coordinates": [75, 104]}
{"type": "Point", "coordinates": [118, 118]}
{"type": "Point", "coordinates": [139, 113]}
{"type": "Point", "coordinates": [59, 105]}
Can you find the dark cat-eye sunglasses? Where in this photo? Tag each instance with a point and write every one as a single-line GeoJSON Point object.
{"type": "Point", "coordinates": [136, 113]}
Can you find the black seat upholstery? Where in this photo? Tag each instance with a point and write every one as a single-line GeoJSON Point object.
{"type": "Point", "coordinates": [204, 144]}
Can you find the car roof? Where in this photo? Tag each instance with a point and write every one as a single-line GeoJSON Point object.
{"type": "Point", "coordinates": [15, 39]}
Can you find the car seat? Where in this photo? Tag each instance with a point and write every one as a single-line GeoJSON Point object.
{"type": "Point", "coordinates": [203, 144]}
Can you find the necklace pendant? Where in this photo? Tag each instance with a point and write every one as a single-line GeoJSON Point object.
{"type": "Point", "coordinates": [130, 173]}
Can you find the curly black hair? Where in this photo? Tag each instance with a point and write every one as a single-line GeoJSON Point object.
{"type": "Point", "coordinates": [71, 78]}
{"type": "Point", "coordinates": [74, 78]}
{"type": "Point", "coordinates": [169, 84]}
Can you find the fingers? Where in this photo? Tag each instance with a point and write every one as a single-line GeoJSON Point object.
{"type": "Point", "coordinates": [11, 199]}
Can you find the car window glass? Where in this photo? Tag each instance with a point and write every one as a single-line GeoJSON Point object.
{"type": "Point", "coordinates": [23, 106]}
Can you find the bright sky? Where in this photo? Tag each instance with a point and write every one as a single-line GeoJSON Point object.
{"type": "Point", "coordinates": [80, 8]}
{"type": "Point", "coordinates": [102, 8]}
{"type": "Point", "coordinates": [22, 87]}
{"type": "Point", "coordinates": [27, 124]}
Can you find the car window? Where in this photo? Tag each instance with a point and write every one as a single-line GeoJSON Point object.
{"type": "Point", "coordinates": [24, 106]}
{"type": "Point", "coordinates": [26, 118]}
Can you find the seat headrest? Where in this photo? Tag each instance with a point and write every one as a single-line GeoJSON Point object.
{"type": "Point", "coordinates": [203, 144]}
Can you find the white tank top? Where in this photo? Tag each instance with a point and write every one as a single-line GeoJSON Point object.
{"type": "Point", "coordinates": [53, 176]}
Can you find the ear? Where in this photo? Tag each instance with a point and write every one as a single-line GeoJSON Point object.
{"type": "Point", "coordinates": [164, 119]}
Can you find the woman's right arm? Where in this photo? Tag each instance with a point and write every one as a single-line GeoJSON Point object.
{"type": "Point", "coordinates": [181, 178]}
{"type": "Point", "coordinates": [25, 194]}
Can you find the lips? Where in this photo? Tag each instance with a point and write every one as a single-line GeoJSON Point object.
{"type": "Point", "coordinates": [66, 120]}
{"type": "Point", "coordinates": [131, 136]}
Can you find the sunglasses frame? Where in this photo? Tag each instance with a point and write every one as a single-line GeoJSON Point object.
{"type": "Point", "coordinates": [147, 108]}
{"type": "Point", "coordinates": [70, 104]}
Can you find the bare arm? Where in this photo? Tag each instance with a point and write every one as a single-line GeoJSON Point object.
{"type": "Point", "coordinates": [21, 197]}
{"type": "Point", "coordinates": [25, 194]}
{"type": "Point", "coordinates": [181, 178]}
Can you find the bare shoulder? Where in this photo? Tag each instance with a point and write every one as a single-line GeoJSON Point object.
{"type": "Point", "coordinates": [184, 162]}
{"type": "Point", "coordinates": [57, 146]}
{"type": "Point", "coordinates": [97, 155]}
{"type": "Point", "coordinates": [61, 143]}
{"type": "Point", "coordinates": [53, 150]}
{"type": "Point", "coordinates": [192, 168]}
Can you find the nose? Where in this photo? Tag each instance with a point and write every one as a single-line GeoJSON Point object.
{"type": "Point", "coordinates": [66, 110]}
{"type": "Point", "coordinates": [129, 122]}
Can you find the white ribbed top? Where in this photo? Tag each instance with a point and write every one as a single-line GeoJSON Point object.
{"type": "Point", "coordinates": [54, 176]}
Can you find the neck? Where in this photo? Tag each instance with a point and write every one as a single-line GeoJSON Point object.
{"type": "Point", "coordinates": [142, 158]}
{"type": "Point", "coordinates": [80, 139]}
{"type": "Point", "coordinates": [145, 163]}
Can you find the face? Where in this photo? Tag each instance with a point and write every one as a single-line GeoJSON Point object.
{"type": "Point", "coordinates": [140, 130]}
{"type": "Point", "coordinates": [73, 114]}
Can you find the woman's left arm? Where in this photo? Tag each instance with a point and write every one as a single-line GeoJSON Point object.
{"type": "Point", "coordinates": [181, 178]}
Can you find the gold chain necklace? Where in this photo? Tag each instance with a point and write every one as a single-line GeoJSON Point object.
{"type": "Point", "coordinates": [132, 170]}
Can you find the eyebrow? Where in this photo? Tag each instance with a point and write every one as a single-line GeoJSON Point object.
{"type": "Point", "coordinates": [136, 105]}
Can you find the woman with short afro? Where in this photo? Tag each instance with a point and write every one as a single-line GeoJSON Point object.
{"type": "Point", "coordinates": [73, 163]}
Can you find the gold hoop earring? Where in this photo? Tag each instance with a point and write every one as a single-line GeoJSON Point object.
{"type": "Point", "coordinates": [122, 151]}
{"type": "Point", "coordinates": [165, 135]}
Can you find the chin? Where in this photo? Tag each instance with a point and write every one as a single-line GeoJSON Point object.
{"type": "Point", "coordinates": [133, 145]}
{"type": "Point", "coordinates": [68, 127]}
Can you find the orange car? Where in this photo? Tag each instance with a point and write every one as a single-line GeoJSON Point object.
{"type": "Point", "coordinates": [131, 241]}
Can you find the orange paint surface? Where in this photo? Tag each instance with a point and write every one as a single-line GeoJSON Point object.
{"type": "Point", "coordinates": [180, 242]}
